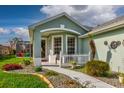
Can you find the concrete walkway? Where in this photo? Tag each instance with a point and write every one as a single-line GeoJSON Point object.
{"type": "Point", "coordinates": [80, 77]}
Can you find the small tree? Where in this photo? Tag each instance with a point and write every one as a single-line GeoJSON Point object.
{"type": "Point", "coordinates": [13, 43]}
{"type": "Point", "coordinates": [92, 47]}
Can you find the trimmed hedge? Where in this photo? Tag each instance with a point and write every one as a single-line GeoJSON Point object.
{"type": "Point", "coordinates": [96, 68]}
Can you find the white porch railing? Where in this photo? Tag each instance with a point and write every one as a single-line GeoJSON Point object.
{"type": "Point", "coordinates": [65, 59]}
{"type": "Point", "coordinates": [80, 59]}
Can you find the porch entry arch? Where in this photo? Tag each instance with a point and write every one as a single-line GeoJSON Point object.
{"type": "Point", "coordinates": [50, 30]}
{"type": "Point", "coordinates": [56, 38]}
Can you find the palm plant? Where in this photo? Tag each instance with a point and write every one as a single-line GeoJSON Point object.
{"type": "Point", "coordinates": [92, 47]}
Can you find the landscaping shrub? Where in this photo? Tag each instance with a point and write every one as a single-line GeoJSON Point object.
{"type": "Point", "coordinates": [96, 68]}
{"type": "Point", "coordinates": [73, 64]}
{"type": "Point", "coordinates": [110, 74]}
{"type": "Point", "coordinates": [38, 69]}
{"type": "Point", "coordinates": [121, 78]}
{"type": "Point", "coordinates": [27, 54]}
{"type": "Point", "coordinates": [8, 67]}
{"type": "Point", "coordinates": [51, 73]}
{"type": "Point", "coordinates": [20, 54]}
{"type": "Point", "coordinates": [26, 62]}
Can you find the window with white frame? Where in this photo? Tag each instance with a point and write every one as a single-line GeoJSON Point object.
{"type": "Point", "coordinates": [57, 45]}
{"type": "Point", "coordinates": [71, 45]}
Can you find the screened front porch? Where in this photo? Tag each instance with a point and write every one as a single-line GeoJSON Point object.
{"type": "Point", "coordinates": [60, 47]}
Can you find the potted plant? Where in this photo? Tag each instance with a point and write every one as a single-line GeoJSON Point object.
{"type": "Point", "coordinates": [121, 78]}
{"type": "Point", "coordinates": [73, 64]}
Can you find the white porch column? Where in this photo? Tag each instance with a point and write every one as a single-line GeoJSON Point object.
{"type": "Point", "coordinates": [37, 48]}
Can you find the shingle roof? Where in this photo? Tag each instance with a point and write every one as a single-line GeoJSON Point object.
{"type": "Point", "coordinates": [117, 19]}
{"type": "Point", "coordinates": [105, 27]}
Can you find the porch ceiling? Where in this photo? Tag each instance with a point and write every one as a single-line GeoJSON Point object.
{"type": "Point", "coordinates": [49, 31]}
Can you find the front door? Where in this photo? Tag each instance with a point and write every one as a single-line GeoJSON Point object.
{"type": "Point", "coordinates": [43, 48]}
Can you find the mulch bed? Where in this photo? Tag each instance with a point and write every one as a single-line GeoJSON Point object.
{"type": "Point", "coordinates": [112, 81]}
{"type": "Point", "coordinates": [25, 70]}
{"type": "Point", "coordinates": [58, 81]}
{"type": "Point", "coordinates": [62, 81]}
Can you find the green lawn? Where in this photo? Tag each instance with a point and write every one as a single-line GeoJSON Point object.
{"type": "Point", "coordinates": [11, 59]}
{"type": "Point", "coordinates": [8, 80]}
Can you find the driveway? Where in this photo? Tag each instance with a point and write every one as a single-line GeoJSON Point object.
{"type": "Point", "coordinates": [80, 77]}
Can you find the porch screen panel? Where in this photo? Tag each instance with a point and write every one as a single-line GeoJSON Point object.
{"type": "Point", "coordinates": [57, 45]}
{"type": "Point", "coordinates": [71, 45]}
{"type": "Point", "coordinates": [43, 50]}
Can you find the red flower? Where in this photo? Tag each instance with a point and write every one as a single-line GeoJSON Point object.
{"type": "Point", "coordinates": [8, 67]}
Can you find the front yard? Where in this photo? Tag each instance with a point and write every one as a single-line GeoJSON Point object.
{"type": "Point", "coordinates": [21, 78]}
{"type": "Point", "coordinates": [110, 77]}
{"type": "Point", "coordinates": [13, 80]}
{"type": "Point", "coordinates": [8, 80]}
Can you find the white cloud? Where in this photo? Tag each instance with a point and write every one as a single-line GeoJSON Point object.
{"type": "Point", "coordinates": [15, 32]}
{"type": "Point", "coordinates": [21, 32]}
{"type": "Point", "coordinates": [89, 15]}
{"type": "Point", "coordinates": [3, 31]}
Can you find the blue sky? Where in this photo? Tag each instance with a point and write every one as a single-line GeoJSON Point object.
{"type": "Point", "coordinates": [14, 20]}
{"type": "Point", "coordinates": [13, 16]}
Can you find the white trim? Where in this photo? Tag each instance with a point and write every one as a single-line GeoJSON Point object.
{"type": "Point", "coordinates": [58, 29]}
{"type": "Point", "coordinates": [75, 42]}
{"type": "Point", "coordinates": [57, 16]}
{"type": "Point", "coordinates": [45, 47]}
{"type": "Point", "coordinates": [37, 62]}
{"type": "Point", "coordinates": [53, 36]}
{"type": "Point", "coordinates": [102, 30]}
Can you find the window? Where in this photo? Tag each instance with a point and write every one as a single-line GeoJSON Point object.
{"type": "Point", "coordinates": [57, 45]}
{"type": "Point", "coordinates": [71, 45]}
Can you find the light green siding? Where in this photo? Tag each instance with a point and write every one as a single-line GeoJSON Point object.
{"type": "Point", "coordinates": [115, 57]}
{"type": "Point", "coordinates": [55, 24]}
{"type": "Point", "coordinates": [62, 20]}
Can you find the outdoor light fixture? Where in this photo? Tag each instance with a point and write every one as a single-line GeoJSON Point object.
{"type": "Point", "coordinates": [105, 43]}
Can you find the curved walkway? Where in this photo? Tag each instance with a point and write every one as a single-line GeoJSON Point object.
{"type": "Point", "coordinates": [80, 77]}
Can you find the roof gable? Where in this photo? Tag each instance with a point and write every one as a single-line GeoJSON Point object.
{"type": "Point", "coordinates": [58, 16]}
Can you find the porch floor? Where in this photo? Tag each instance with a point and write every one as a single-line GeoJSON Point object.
{"type": "Point", "coordinates": [48, 64]}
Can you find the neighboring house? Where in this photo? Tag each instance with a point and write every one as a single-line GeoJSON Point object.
{"type": "Point", "coordinates": [13, 43]}
{"type": "Point", "coordinates": [65, 34]}
{"type": "Point", "coordinates": [5, 50]}
{"type": "Point", "coordinates": [23, 49]}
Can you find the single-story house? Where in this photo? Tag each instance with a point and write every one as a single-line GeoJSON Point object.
{"type": "Point", "coordinates": [62, 35]}
{"type": "Point", "coordinates": [5, 50]}
{"type": "Point", "coordinates": [23, 49]}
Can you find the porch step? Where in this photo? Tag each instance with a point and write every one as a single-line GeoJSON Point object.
{"type": "Point", "coordinates": [44, 60]}
{"type": "Point", "coordinates": [49, 64]}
